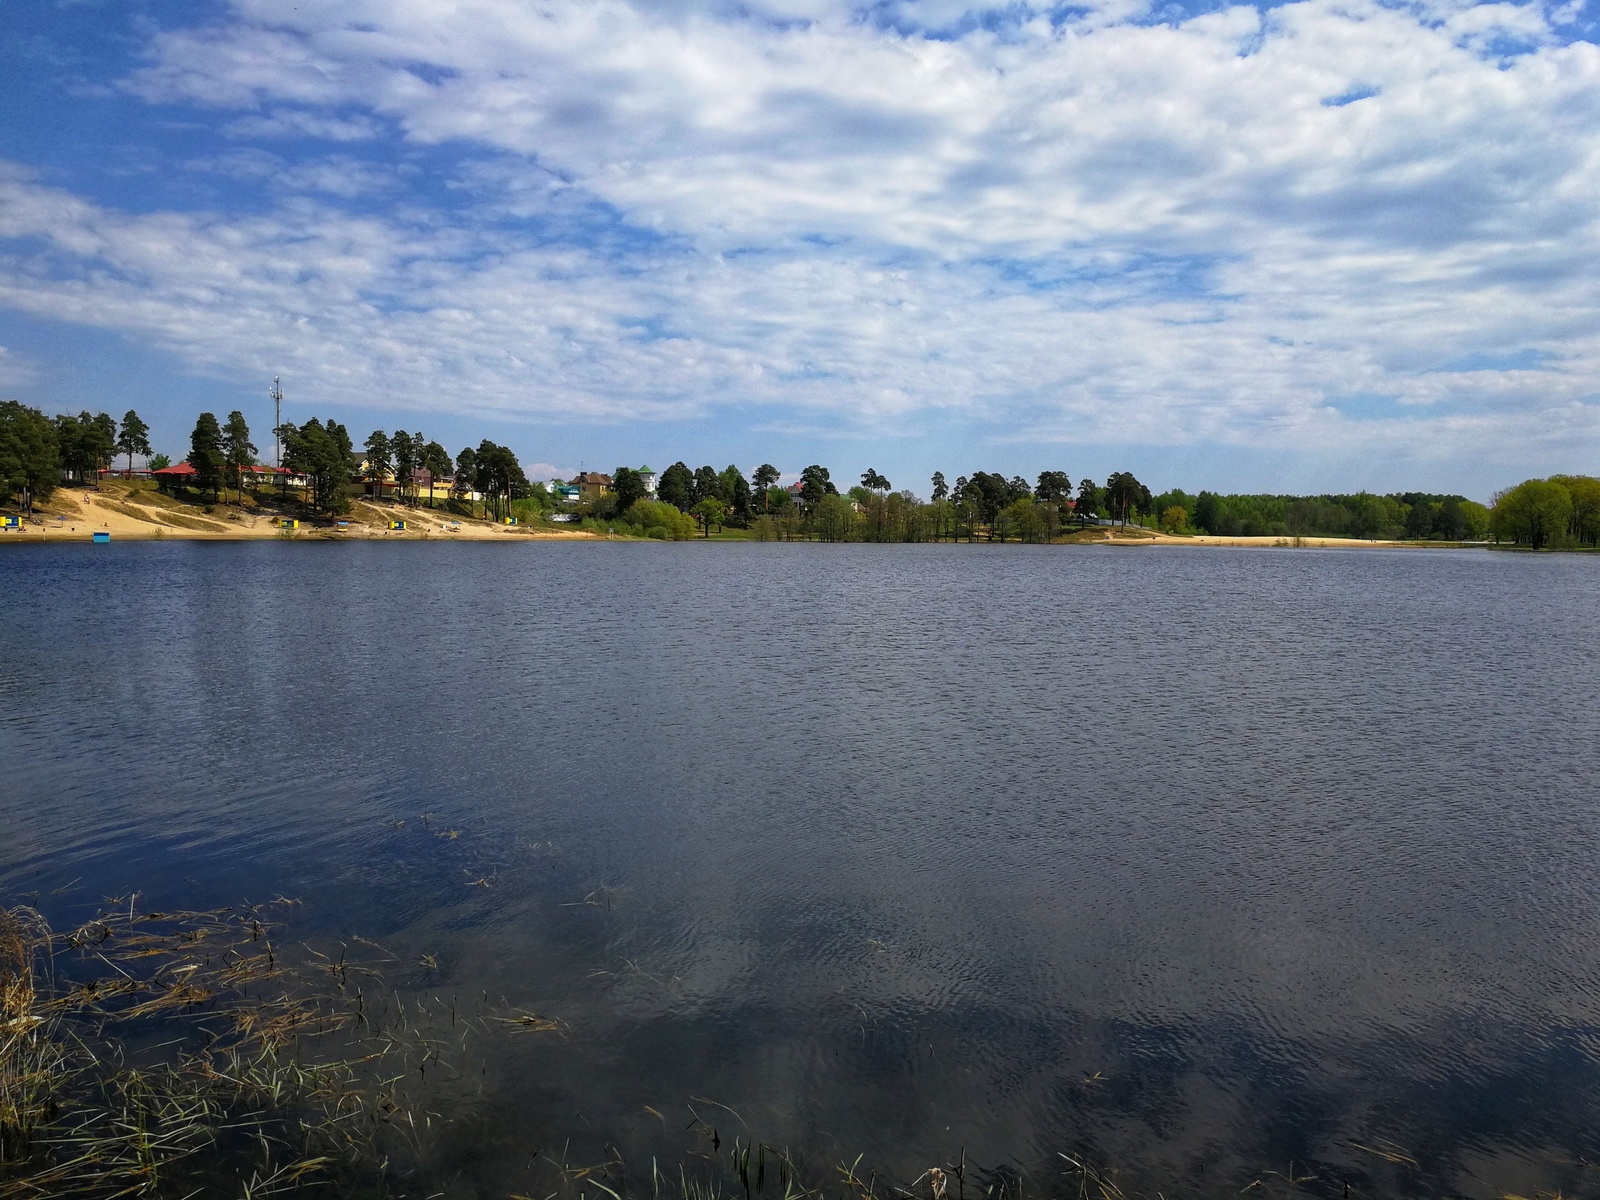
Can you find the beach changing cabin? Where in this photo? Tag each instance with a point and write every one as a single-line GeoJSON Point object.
{"type": "Point", "coordinates": [11, 523]}
{"type": "Point", "coordinates": [400, 525]}
{"type": "Point", "coordinates": [288, 523]}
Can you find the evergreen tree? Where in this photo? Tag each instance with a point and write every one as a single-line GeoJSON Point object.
{"type": "Point", "coordinates": [237, 449]}
{"type": "Point", "coordinates": [628, 486]}
{"type": "Point", "coordinates": [206, 454]}
{"type": "Point", "coordinates": [322, 454]}
{"type": "Point", "coordinates": [30, 465]}
{"type": "Point", "coordinates": [437, 463]}
{"type": "Point", "coordinates": [134, 437]}
{"type": "Point", "coordinates": [764, 479]}
{"type": "Point", "coordinates": [708, 485]}
{"type": "Point", "coordinates": [380, 461]}
{"type": "Point", "coordinates": [1419, 521]}
{"type": "Point", "coordinates": [85, 443]}
{"type": "Point", "coordinates": [1053, 487]}
{"type": "Point", "coordinates": [467, 477]}
{"type": "Point", "coordinates": [498, 476]}
{"type": "Point", "coordinates": [815, 484]}
{"type": "Point", "coordinates": [735, 493]}
{"type": "Point", "coordinates": [407, 454]}
{"type": "Point", "coordinates": [1089, 497]}
{"type": "Point", "coordinates": [676, 486]}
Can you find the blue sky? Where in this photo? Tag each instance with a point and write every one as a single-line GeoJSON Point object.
{"type": "Point", "coordinates": [1313, 246]}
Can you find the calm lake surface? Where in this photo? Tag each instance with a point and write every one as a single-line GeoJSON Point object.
{"type": "Point", "coordinates": [1196, 862]}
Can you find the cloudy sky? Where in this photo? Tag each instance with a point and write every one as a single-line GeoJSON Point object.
{"type": "Point", "coordinates": [1320, 245]}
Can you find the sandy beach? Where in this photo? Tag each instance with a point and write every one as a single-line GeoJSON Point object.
{"type": "Point", "coordinates": [127, 514]}
{"type": "Point", "coordinates": [1269, 543]}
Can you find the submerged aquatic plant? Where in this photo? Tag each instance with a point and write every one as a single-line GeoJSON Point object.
{"type": "Point", "coordinates": [147, 1049]}
{"type": "Point", "coordinates": [191, 1053]}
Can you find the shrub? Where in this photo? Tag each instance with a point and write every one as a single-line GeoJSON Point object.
{"type": "Point", "coordinates": [658, 519]}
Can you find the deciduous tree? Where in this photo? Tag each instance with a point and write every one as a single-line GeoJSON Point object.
{"type": "Point", "coordinates": [1532, 513]}
{"type": "Point", "coordinates": [834, 518]}
{"type": "Point", "coordinates": [708, 512]}
{"type": "Point", "coordinates": [1584, 523]}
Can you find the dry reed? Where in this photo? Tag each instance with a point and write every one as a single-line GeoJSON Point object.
{"type": "Point", "coordinates": [185, 1054]}
{"type": "Point", "coordinates": [159, 1053]}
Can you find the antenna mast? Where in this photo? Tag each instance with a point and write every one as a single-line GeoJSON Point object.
{"type": "Point", "coordinates": [276, 395]}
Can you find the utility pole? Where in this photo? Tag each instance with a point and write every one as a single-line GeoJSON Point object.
{"type": "Point", "coordinates": [276, 395]}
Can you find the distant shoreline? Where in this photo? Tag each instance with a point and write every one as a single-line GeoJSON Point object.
{"type": "Point", "coordinates": [124, 515]}
{"type": "Point", "coordinates": [85, 535]}
{"type": "Point", "coordinates": [83, 531]}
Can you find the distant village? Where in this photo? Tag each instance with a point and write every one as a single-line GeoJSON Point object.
{"type": "Point", "coordinates": [421, 484]}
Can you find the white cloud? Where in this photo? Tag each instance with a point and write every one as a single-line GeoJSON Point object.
{"type": "Point", "coordinates": [1222, 228]}
{"type": "Point", "coordinates": [14, 371]}
{"type": "Point", "coordinates": [333, 175]}
{"type": "Point", "coordinates": [292, 123]}
{"type": "Point", "coordinates": [735, 130]}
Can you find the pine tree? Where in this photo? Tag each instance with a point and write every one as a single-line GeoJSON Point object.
{"type": "Point", "coordinates": [134, 438]}
{"type": "Point", "coordinates": [205, 453]}
{"type": "Point", "coordinates": [237, 450]}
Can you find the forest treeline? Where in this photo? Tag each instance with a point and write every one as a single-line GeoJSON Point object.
{"type": "Point", "coordinates": [1395, 516]}
{"type": "Point", "coordinates": [39, 453]}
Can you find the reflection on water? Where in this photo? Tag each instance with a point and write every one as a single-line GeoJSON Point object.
{"type": "Point", "coordinates": [1196, 862]}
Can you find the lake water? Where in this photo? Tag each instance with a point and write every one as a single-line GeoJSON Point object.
{"type": "Point", "coordinates": [1197, 863]}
